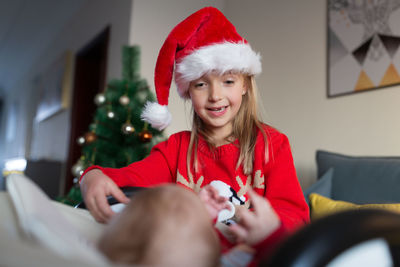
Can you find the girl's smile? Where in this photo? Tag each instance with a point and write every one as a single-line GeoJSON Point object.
{"type": "Point", "coordinates": [218, 111]}
{"type": "Point", "coordinates": [217, 99]}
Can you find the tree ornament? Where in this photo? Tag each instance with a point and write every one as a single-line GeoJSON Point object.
{"type": "Point", "coordinates": [124, 100]}
{"type": "Point", "coordinates": [90, 137]}
{"type": "Point", "coordinates": [100, 99]}
{"type": "Point", "coordinates": [111, 114]}
{"type": "Point", "coordinates": [93, 126]}
{"type": "Point", "coordinates": [142, 96]}
{"type": "Point", "coordinates": [128, 128]}
{"type": "Point", "coordinates": [81, 140]}
{"type": "Point", "coordinates": [78, 169]}
{"type": "Point", "coordinates": [145, 136]}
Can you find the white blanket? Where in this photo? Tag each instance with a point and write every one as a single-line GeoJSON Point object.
{"type": "Point", "coordinates": [36, 231]}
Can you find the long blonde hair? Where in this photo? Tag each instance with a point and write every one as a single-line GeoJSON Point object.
{"type": "Point", "coordinates": [245, 125]}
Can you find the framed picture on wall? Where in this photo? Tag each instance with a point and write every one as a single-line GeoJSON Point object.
{"type": "Point", "coordinates": [363, 45]}
{"type": "Point", "coordinates": [55, 87]}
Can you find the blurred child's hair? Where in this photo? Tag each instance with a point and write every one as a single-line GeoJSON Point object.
{"type": "Point", "coordinates": [163, 226]}
{"type": "Point", "coordinates": [245, 125]}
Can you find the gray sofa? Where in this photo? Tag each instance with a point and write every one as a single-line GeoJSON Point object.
{"type": "Point", "coordinates": [359, 180]}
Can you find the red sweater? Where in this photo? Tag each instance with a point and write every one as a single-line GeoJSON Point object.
{"type": "Point", "coordinates": [275, 177]}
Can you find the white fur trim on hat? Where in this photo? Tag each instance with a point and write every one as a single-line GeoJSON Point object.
{"type": "Point", "coordinates": [157, 115]}
{"type": "Point", "coordinates": [221, 57]}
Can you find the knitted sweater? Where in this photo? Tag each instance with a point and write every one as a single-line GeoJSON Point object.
{"type": "Point", "coordinates": [273, 177]}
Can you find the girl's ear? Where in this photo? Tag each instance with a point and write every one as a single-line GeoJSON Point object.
{"type": "Point", "coordinates": [244, 89]}
{"type": "Point", "coordinates": [246, 84]}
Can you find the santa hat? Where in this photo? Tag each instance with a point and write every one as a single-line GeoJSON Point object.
{"type": "Point", "coordinates": [203, 42]}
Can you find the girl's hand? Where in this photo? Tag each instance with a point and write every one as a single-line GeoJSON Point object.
{"type": "Point", "coordinates": [254, 226]}
{"type": "Point", "coordinates": [213, 201]}
{"type": "Point", "coordinates": [95, 187]}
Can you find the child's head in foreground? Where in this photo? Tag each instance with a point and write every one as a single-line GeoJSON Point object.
{"type": "Point", "coordinates": [162, 226]}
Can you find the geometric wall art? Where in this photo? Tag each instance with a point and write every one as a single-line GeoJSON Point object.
{"type": "Point", "coordinates": [363, 45]}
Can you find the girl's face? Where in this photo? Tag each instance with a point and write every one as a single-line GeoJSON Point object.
{"type": "Point", "coordinates": [217, 98]}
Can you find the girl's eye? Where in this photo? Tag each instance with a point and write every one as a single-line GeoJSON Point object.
{"type": "Point", "coordinates": [229, 82]}
{"type": "Point", "coordinates": [200, 84]}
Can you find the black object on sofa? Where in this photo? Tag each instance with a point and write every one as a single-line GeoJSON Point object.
{"type": "Point", "coordinates": [318, 243]}
{"type": "Point", "coordinates": [129, 191]}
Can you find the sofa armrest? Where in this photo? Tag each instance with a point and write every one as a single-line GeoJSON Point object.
{"type": "Point", "coordinates": [322, 186]}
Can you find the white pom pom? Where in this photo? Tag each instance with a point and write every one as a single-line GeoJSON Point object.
{"type": "Point", "coordinates": [157, 115]}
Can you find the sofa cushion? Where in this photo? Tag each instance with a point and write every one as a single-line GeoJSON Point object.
{"type": "Point", "coordinates": [322, 206]}
{"type": "Point", "coordinates": [362, 180]}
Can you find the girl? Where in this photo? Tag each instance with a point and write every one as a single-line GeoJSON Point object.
{"type": "Point", "coordinates": [228, 145]}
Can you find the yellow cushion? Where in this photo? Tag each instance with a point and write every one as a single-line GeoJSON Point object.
{"type": "Point", "coordinates": [322, 206]}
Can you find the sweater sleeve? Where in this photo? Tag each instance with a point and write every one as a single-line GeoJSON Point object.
{"type": "Point", "coordinates": [282, 186]}
{"type": "Point", "coordinates": [158, 168]}
{"type": "Point", "coordinates": [284, 193]}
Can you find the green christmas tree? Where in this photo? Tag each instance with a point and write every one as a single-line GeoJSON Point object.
{"type": "Point", "coordinates": [117, 136]}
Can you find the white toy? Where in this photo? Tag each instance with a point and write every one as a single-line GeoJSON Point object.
{"type": "Point", "coordinates": [225, 191]}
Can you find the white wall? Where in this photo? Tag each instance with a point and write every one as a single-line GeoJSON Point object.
{"type": "Point", "coordinates": [291, 37]}
{"type": "Point", "coordinates": [49, 139]}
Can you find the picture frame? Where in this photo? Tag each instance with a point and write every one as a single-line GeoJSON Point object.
{"type": "Point", "coordinates": [363, 46]}
{"type": "Point", "coordinates": [55, 87]}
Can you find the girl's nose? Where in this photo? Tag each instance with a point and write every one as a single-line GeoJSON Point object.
{"type": "Point", "coordinates": [215, 92]}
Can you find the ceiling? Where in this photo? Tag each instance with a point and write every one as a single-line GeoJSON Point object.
{"type": "Point", "coordinates": [27, 28]}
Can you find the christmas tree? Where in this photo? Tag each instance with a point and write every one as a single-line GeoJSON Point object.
{"type": "Point", "coordinates": [117, 136]}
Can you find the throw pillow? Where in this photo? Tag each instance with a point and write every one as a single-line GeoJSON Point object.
{"type": "Point", "coordinates": [322, 206]}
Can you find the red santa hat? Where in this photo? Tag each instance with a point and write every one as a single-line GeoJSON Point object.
{"type": "Point", "coordinates": [205, 41]}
